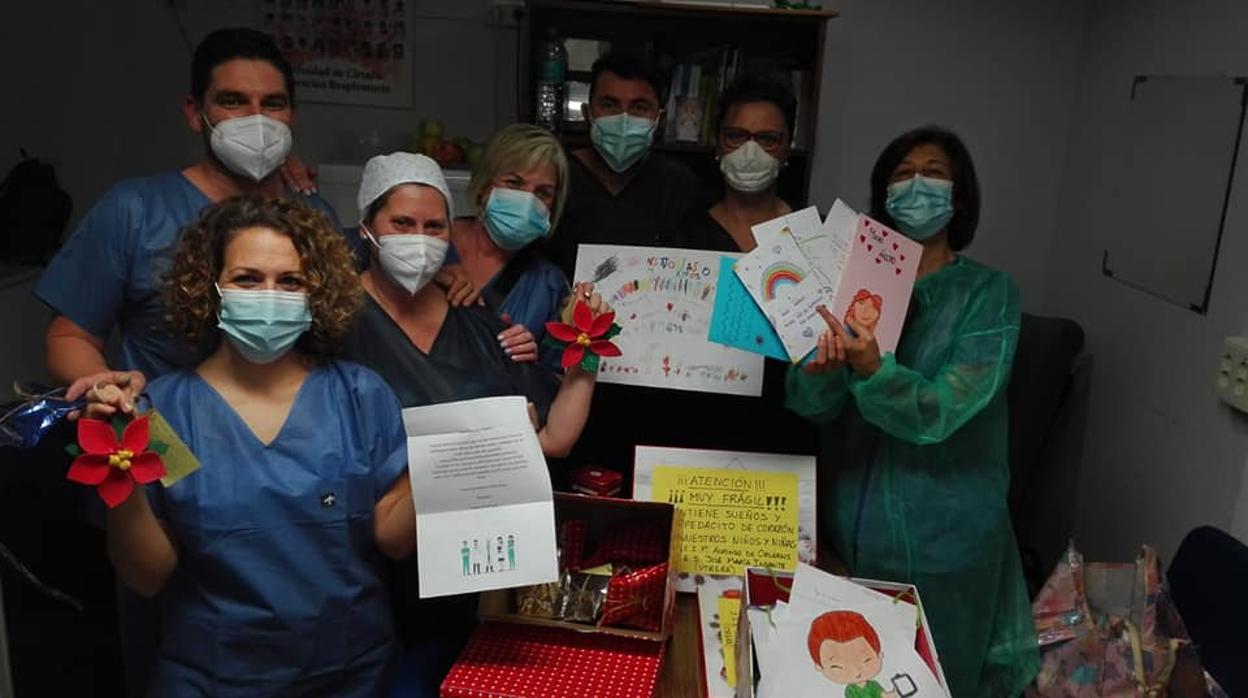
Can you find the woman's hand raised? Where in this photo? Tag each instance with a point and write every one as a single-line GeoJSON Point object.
{"type": "Point", "coordinates": [859, 350]}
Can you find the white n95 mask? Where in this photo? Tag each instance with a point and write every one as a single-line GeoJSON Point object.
{"type": "Point", "coordinates": [410, 261]}
{"type": "Point", "coordinates": [252, 146]}
{"type": "Point", "coordinates": [749, 169]}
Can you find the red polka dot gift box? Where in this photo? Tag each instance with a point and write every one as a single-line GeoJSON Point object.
{"type": "Point", "coordinates": [596, 633]}
{"type": "Point", "coordinates": [516, 660]}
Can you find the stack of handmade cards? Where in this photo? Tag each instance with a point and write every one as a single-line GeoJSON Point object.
{"type": "Point", "coordinates": [839, 637]}
{"type": "Point", "coordinates": [857, 268]}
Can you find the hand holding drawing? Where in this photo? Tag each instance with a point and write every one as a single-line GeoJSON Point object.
{"type": "Point", "coordinates": [829, 354]}
{"type": "Point", "coordinates": [584, 291]}
{"type": "Point", "coordinates": [862, 353]}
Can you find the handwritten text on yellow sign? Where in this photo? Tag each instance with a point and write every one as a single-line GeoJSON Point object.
{"type": "Point", "coordinates": [732, 519]}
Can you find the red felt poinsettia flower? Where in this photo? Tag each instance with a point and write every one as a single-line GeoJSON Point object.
{"type": "Point", "coordinates": [112, 466]}
{"type": "Point", "coordinates": [587, 338]}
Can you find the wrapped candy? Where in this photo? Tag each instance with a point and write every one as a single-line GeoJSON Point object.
{"type": "Point", "coordinates": [583, 597]}
{"type": "Point", "coordinates": [635, 598]}
{"type": "Point", "coordinates": [539, 600]}
{"type": "Point", "coordinates": [25, 421]}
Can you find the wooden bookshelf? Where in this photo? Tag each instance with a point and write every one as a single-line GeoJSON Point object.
{"type": "Point", "coordinates": [768, 41]}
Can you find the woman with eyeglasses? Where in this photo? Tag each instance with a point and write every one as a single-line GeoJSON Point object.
{"type": "Point", "coordinates": [754, 129]}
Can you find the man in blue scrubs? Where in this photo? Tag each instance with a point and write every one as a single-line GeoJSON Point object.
{"type": "Point", "coordinates": [242, 104]}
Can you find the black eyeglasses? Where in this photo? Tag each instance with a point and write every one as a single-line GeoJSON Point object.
{"type": "Point", "coordinates": [736, 137]}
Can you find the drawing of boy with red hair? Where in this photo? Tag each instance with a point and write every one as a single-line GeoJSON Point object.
{"type": "Point", "coordinates": [846, 650]}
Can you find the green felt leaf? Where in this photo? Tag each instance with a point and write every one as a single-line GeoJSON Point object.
{"type": "Point", "coordinates": [589, 362]}
{"type": "Point", "coordinates": [73, 450]}
{"type": "Point", "coordinates": [119, 422]}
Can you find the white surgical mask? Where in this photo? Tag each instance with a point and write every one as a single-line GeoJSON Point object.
{"type": "Point", "coordinates": [252, 146]}
{"type": "Point", "coordinates": [410, 261]}
{"type": "Point", "coordinates": [749, 168]}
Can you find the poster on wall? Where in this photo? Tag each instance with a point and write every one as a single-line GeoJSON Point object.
{"type": "Point", "coordinates": [345, 51]}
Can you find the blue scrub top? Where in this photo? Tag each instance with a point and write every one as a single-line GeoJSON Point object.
{"type": "Point", "coordinates": [108, 272]}
{"type": "Point", "coordinates": [277, 590]}
{"type": "Point", "coordinates": [534, 299]}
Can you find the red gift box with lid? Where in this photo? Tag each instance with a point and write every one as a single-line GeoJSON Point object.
{"type": "Point", "coordinates": [602, 482]}
{"type": "Point", "coordinates": [511, 655]}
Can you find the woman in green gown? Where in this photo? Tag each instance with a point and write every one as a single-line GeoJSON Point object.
{"type": "Point", "coordinates": [913, 453]}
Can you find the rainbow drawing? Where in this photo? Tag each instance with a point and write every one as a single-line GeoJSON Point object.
{"type": "Point", "coordinates": [779, 275]}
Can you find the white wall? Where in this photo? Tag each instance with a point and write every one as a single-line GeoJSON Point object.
{"type": "Point", "coordinates": [1002, 75]}
{"type": "Point", "coordinates": [1163, 455]}
{"type": "Point", "coordinates": [96, 88]}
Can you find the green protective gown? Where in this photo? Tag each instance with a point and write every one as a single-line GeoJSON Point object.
{"type": "Point", "coordinates": [914, 474]}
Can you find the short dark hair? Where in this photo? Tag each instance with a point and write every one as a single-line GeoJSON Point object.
{"type": "Point", "coordinates": [630, 66]}
{"type": "Point", "coordinates": [753, 88]}
{"type": "Point", "coordinates": [224, 45]}
{"type": "Point", "coordinates": [961, 228]}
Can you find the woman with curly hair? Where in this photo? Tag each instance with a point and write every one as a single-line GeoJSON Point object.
{"type": "Point", "coordinates": [267, 558]}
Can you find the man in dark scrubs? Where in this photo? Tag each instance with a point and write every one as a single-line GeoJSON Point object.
{"type": "Point", "coordinates": [621, 192]}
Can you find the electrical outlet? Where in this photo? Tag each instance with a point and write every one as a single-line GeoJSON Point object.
{"type": "Point", "coordinates": [1232, 376]}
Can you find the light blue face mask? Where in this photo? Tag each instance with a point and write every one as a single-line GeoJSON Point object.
{"type": "Point", "coordinates": [622, 139]}
{"type": "Point", "coordinates": [515, 218]}
{"type": "Point", "coordinates": [920, 206]}
{"type": "Point", "coordinates": [263, 325]}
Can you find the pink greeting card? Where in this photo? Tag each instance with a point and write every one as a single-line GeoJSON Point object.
{"type": "Point", "coordinates": [876, 281]}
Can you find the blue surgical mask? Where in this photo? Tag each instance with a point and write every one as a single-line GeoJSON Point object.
{"type": "Point", "coordinates": [263, 325]}
{"type": "Point", "coordinates": [514, 218]}
{"type": "Point", "coordinates": [920, 206]}
{"type": "Point", "coordinates": [622, 139]}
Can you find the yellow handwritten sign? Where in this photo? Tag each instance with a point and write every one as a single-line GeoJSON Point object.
{"type": "Point", "coordinates": [729, 615]}
{"type": "Point", "coordinates": [732, 518]}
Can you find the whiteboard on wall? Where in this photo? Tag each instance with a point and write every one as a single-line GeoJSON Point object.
{"type": "Point", "coordinates": [1169, 171]}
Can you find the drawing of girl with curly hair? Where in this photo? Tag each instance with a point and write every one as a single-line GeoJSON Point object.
{"type": "Point", "coordinates": [865, 309]}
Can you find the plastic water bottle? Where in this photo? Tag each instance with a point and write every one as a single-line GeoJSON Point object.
{"type": "Point", "coordinates": [550, 76]}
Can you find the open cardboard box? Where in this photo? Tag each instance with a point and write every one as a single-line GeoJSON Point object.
{"type": "Point", "coordinates": [602, 513]}
{"type": "Point", "coordinates": [764, 587]}
{"type": "Point", "coordinates": [517, 656]}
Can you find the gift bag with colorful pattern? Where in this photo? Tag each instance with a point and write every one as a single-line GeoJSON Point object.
{"type": "Point", "coordinates": [1108, 630]}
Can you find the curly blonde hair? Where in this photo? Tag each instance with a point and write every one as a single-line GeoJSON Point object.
{"type": "Point", "coordinates": [333, 286]}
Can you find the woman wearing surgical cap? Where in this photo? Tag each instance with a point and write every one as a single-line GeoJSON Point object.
{"type": "Point", "coordinates": [914, 441]}
{"type": "Point", "coordinates": [519, 189]}
{"type": "Point", "coordinates": [430, 352]}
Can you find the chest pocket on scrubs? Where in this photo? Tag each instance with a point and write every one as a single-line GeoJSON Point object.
{"type": "Point", "coordinates": [273, 575]}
